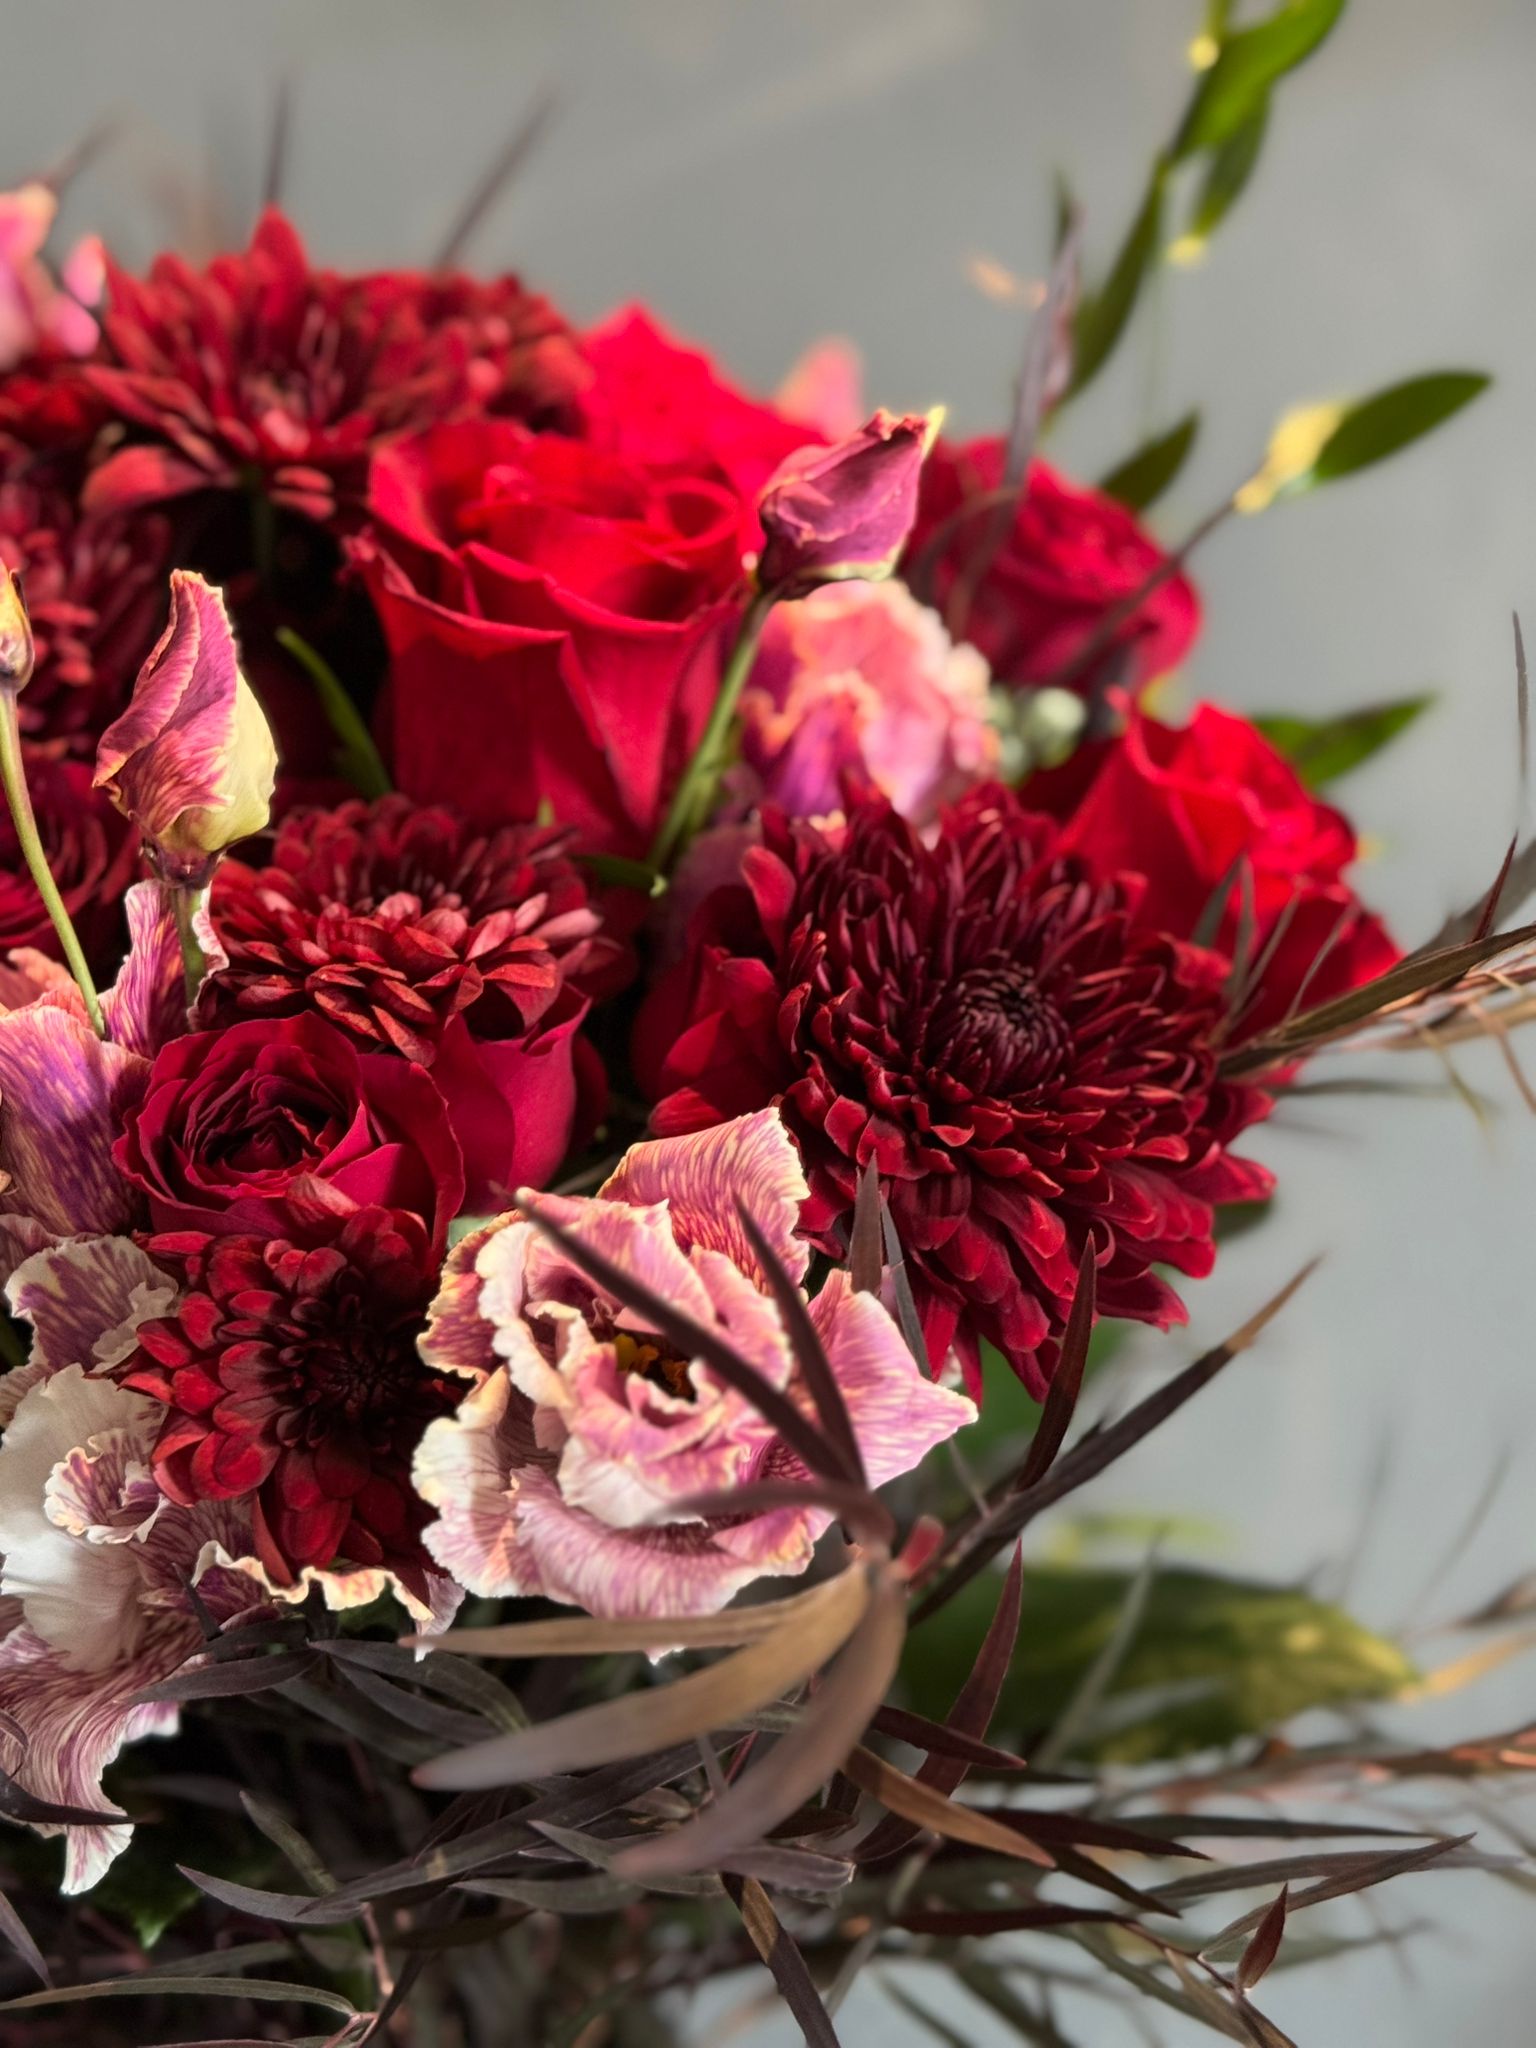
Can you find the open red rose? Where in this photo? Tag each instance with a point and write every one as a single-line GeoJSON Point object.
{"type": "Point", "coordinates": [657, 402]}
{"type": "Point", "coordinates": [1191, 808]}
{"type": "Point", "coordinates": [1069, 558]}
{"type": "Point", "coordinates": [232, 1121]}
{"type": "Point", "coordinates": [554, 614]}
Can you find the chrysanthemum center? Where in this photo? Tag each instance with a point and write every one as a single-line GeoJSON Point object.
{"type": "Point", "coordinates": [996, 1029]}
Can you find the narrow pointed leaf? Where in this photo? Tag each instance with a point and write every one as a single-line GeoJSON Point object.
{"type": "Point", "coordinates": [866, 1256]}
{"type": "Point", "coordinates": [1376, 427]}
{"type": "Point", "coordinates": [778, 1951]}
{"type": "Point", "coordinates": [614, 1730]}
{"type": "Point", "coordinates": [1265, 1945]}
{"type": "Point", "coordinates": [926, 1807]}
{"type": "Point", "coordinates": [1249, 63]}
{"type": "Point", "coordinates": [810, 1354]}
{"type": "Point", "coordinates": [584, 1635]}
{"type": "Point", "coordinates": [1067, 1380]}
{"type": "Point", "coordinates": [1143, 477]}
{"type": "Point", "coordinates": [1322, 749]}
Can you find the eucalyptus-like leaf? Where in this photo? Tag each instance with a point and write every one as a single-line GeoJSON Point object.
{"type": "Point", "coordinates": [1231, 165]}
{"type": "Point", "coordinates": [1322, 749]}
{"type": "Point", "coordinates": [1143, 477]}
{"type": "Point", "coordinates": [929, 1808]}
{"type": "Point", "coordinates": [1102, 315]}
{"type": "Point", "coordinates": [1249, 62]}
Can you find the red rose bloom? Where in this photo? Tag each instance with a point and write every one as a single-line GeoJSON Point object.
{"type": "Point", "coordinates": [92, 854]}
{"type": "Point", "coordinates": [466, 952]}
{"type": "Point", "coordinates": [95, 596]}
{"type": "Point", "coordinates": [1069, 558]}
{"type": "Point", "coordinates": [232, 1121]}
{"type": "Point", "coordinates": [1028, 1070]}
{"type": "Point", "coordinates": [291, 1376]}
{"type": "Point", "coordinates": [554, 614]}
{"type": "Point", "coordinates": [655, 402]}
{"type": "Point", "coordinates": [1208, 807]}
{"type": "Point", "coordinates": [260, 369]}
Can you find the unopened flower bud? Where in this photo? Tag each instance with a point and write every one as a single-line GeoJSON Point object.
{"type": "Point", "coordinates": [846, 511]}
{"type": "Point", "coordinates": [191, 761]}
{"type": "Point", "coordinates": [15, 634]}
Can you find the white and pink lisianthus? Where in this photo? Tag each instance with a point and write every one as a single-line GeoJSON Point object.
{"type": "Point", "coordinates": [569, 1468]}
{"type": "Point", "coordinates": [860, 678]}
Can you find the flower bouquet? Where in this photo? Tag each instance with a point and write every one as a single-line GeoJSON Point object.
{"type": "Point", "coordinates": [613, 991]}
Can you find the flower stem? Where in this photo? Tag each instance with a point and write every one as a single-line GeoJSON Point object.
{"type": "Point", "coordinates": [188, 902]}
{"type": "Point", "coordinates": [695, 794]}
{"type": "Point", "coordinates": [14, 781]}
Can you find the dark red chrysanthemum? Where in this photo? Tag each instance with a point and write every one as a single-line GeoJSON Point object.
{"type": "Point", "coordinates": [982, 1020]}
{"type": "Point", "coordinates": [291, 1377]}
{"type": "Point", "coordinates": [391, 920]}
{"type": "Point", "coordinates": [262, 370]}
{"type": "Point", "coordinates": [95, 595]}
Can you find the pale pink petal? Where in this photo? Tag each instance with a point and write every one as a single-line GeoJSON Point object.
{"type": "Point", "coordinates": [824, 388]}
{"type": "Point", "coordinates": [702, 1176]}
{"type": "Point", "coordinates": [898, 1414]}
{"type": "Point", "coordinates": [64, 1094]}
{"type": "Point", "coordinates": [458, 1337]}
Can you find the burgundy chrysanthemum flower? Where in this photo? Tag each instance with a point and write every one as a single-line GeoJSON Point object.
{"type": "Point", "coordinates": [260, 369]}
{"type": "Point", "coordinates": [95, 595]}
{"type": "Point", "coordinates": [292, 1378]}
{"type": "Point", "coordinates": [390, 920]}
{"type": "Point", "coordinates": [978, 1017]}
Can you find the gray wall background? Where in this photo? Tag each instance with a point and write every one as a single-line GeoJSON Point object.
{"type": "Point", "coordinates": [763, 173]}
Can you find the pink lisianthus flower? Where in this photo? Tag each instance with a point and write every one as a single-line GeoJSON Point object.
{"type": "Point", "coordinates": [567, 1469]}
{"type": "Point", "coordinates": [95, 1562]}
{"type": "Point", "coordinates": [860, 678]}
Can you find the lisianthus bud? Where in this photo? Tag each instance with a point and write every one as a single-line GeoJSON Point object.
{"type": "Point", "coordinates": [15, 635]}
{"type": "Point", "coordinates": [846, 511]}
{"type": "Point", "coordinates": [191, 761]}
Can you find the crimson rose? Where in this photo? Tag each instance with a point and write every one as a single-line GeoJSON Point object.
{"type": "Point", "coordinates": [231, 1121]}
{"type": "Point", "coordinates": [1211, 807]}
{"type": "Point", "coordinates": [1068, 559]}
{"type": "Point", "coordinates": [553, 613]}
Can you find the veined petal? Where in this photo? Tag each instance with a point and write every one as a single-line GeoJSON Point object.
{"type": "Point", "coordinates": [703, 1175]}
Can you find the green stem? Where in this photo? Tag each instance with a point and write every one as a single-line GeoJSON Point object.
{"type": "Point", "coordinates": [695, 794]}
{"type": "Point", "coordinates": [188, 901]}
{"type": "Point", "coordinates": [14, 781]}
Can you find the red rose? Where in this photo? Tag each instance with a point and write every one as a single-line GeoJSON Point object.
{"type": "Point", "coordinates": [231, 1121]}
{"type": "Point", "coordinates": [1069, 558]}
{"type": "Point", "coordinates": [1190, 807]}
{"type": "Point", "coordinates": [554, 614]}
{"type": "Point", "coordinates": [653, 401]}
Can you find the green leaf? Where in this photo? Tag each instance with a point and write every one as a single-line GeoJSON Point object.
{"type": "Point", "coordinates": [356, 757]}
{"type": "Point", "coordinates": [1102, 315]}
{"type": "Point", "coordinates": [1377, 427]}
{"type": "Point", "coordinates": [1144, 476]}
{"type": "Point", "coordinates": [1230, 167]}
{"type": "Point", "coordinates": [1249, 62]}
{"type": "Point", "coordinates": [1213, 1659]}
{"type": "Point", "coordinates": [1322, 749]}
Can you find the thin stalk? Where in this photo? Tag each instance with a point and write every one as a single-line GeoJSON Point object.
{"type": "Point", "coordinates": [14, 781]}
{"type": "Point", "coordinates": [694, 794]}
{"type": "Point", "coordinates": [188, 902]}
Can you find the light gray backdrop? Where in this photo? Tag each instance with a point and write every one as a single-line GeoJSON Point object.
{"type": "Point", "coordinates": [762, 173]}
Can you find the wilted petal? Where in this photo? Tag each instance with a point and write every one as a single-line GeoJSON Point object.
{"type": "Point", "coordinates": [702, 1176]}
{"type": "Point", "coordinates": [898, 1414]}
{"type": "Point", "coordinates": [191, 761]}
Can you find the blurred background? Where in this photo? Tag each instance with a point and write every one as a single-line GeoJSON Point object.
{"type": "Point", "coordinates": [766, 171]}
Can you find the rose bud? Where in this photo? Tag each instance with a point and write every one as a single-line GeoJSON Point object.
{"type": "Point", "coordinates": [846, 511]}
{"type": "Point", "coordinates": [191, 761]}
{"type": "Point", "coordinates": [15, 635]}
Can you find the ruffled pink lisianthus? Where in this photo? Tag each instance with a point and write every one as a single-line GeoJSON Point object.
{"type": "Point", "coordinates": [860, 678]}
{"type": "Point", "coordinates": [567, 1468]}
